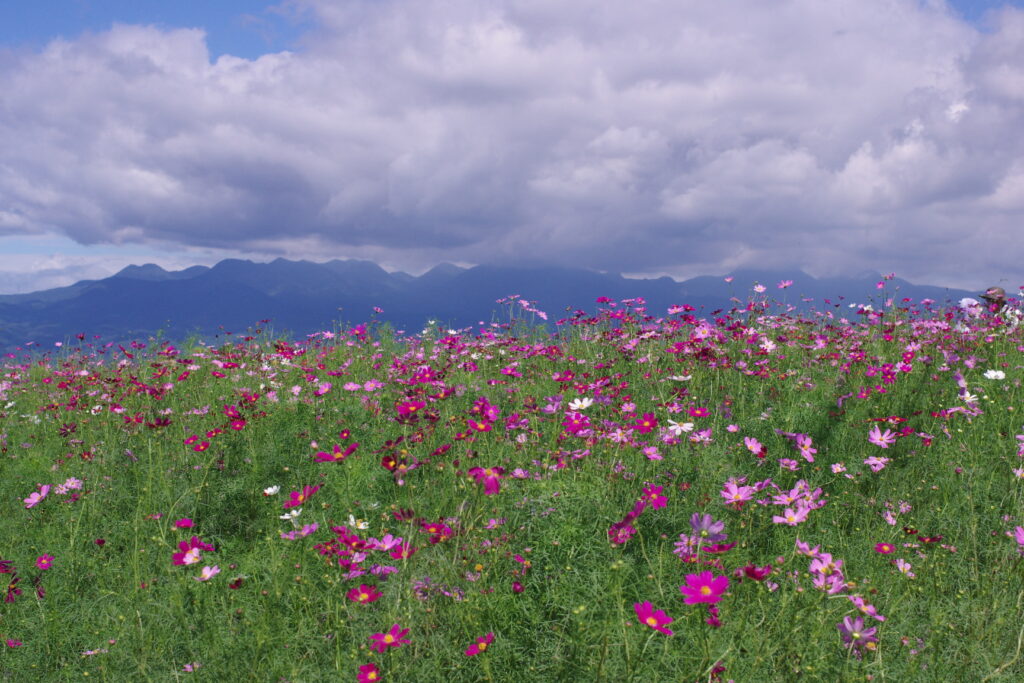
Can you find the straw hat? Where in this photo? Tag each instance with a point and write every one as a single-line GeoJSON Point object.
{"type": "Point", "coordinates": [994, 295]}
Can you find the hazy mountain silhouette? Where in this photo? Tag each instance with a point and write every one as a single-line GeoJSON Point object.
{"type": "Point", "coordinates": [300, 297]}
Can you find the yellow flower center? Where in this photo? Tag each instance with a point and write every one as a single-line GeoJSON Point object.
{"type": "Point", "coordinates": [705, 590]}
{"type": "Point", "coordinates": [651, 621]}
{"type": "Point", "coordinates": [481, 646]}
{"type": "Point", "coordinates": [389, 639]}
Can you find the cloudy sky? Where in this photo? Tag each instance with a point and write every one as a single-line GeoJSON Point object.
{"type": "Point", "coordinates": [677, 137]}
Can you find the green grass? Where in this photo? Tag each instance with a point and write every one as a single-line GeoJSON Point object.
{"type": "Point", "coordinates": [145, 618]}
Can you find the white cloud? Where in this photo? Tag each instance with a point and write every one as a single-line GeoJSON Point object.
{"type": "Point", "coordinates": [642, 137]}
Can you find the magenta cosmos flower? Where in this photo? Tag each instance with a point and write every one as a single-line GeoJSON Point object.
{"type": "Point", "coordinates": [704, 587]}
{"type": "Point", "coordinates": [480, 645]}
{"type": "Point", "coordinates": [44, 562]}
{"type": "Point", "coordinates": [364, 594]}
{"type": "Point", "coordinates": [337, 454]}
{"type": "Point", "coordinates": [490, 476]}
{"type": "Point", "coordinates": [368, 673]}
{"type": "Point", "coordinates": [653, 496]}
{"type": "Point", "coordinates": [190, 551]}
{"type": "Point", "coordinates": [297, 498]}
{"type": "Point", "coordinates": [655, 618]}
{"type": "Point", "coordinates": [396, 637]}
{"type": "Point", "coordinates": [884, 548]}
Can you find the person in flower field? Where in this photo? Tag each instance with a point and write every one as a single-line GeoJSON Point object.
{"type": "Point", "coordinates": [998, 306]}
{"type": "Point", "coordinates": [996, 298]}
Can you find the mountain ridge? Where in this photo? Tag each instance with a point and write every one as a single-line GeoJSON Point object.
{"type": "Point", "coordinates": [305, 296]}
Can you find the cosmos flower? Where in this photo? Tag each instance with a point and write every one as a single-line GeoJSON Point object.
{"type": "Point", "coordinates": [207, 573]}
{"type": "Point", "coordinates": [854, 634]}
{"type": "Point", "coordinates": [364, 595]}
{"type": "Point", "coordinates": [368, 673]}
{"type": "Point", "coordinates": [656, 619]}
{"type": "Point", "coordinates": [36, 497]}
{"type": "Point", "coordinates": [297, 498]}
{"type": "Point", "coordinates": [490, 476]}
{"type": "Point", "coordinates": [706, 528]}
{"type": "Point", "coordinates": [395, 637]}
{"type": "Point", "coordinates": [704, 587]}
{"type": "Point", "coordinates": [882, 440]}
{"type": "Point", "coordinates": [480, 645]}
{"type": "Point", "coordinates": [580, 403]}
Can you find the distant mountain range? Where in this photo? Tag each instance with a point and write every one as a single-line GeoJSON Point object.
{"type": "Point", "coordinates": [300, 297]}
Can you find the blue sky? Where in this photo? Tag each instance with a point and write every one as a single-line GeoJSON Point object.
{"type": "Point", "coordinates": [244, 28]}
{"type": "Point", "coordinates": [650, 138]}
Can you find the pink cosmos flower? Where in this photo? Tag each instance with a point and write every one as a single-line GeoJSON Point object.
{"type": "Point", "coordinates": [876, 464]}
{"type": "Point", "coordinates": [904, 568]}
{"type": "Point", "coordinates": [184, 523]}
{"type": "Point", "coordinates": [792, 517]}
{"type": "Point", "coordinates": [490, 476]}
{"type": "Point", "coordinates": [736, 495]}
{"type": "Point", "coordinates": [885, 548]}
{"type": "Point", "coordinates": [480, 645]}
{"type": "Point", "coordinates": [806, 447]}
{"type": "Point", "coordinates": [855, 636]}
{"type": "Point", "coordinates": [864, 607]}
{"type": "Point", "coordinates": [806, 549]}
{"type": "Point", "coordinates": [881, 440]}
{"type": "Point", "coordinates": [44, 562]}
{"type": "Point", "coordinates": [36, 497]}
{"type": "Point", "coordinates": [368, 673]}
{"type": "Point", "coordinates": [297, 498]}
{"type": "Point", "coordinates": [207, 573]}
{"type": "Point", "coordinates": [656, 619]}
{"type": "Point", "coordinates": [395, 637]}
{"type": "Point", "coordinates": [754, 446]}
{"type": "Point", "coordinates": [704, 587]}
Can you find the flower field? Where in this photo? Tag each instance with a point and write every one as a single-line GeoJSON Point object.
{"type": "Point", "coordinates": [760, 494]}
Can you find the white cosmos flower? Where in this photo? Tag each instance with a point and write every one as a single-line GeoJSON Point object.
{"type": "Point", "coordinates": [678, 428]}
{"type": "Point", "coordinates": [581, 403]}
{"type": "Point", "coordinates": [271, 490]}
{"type": "Point", "coordinates": [681, 378]}
{"type": "Point", "coordinates": [995, 374]}
{"type": "Point", "coordinates": [358, 523]}
{"type": "Point", "coordinates": [969, 398]}
{"type": "Point", "coordinates": [292, 514]}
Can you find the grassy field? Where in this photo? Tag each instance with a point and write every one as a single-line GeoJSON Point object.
{"type": "Point", "coordinates": [754, 495]}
